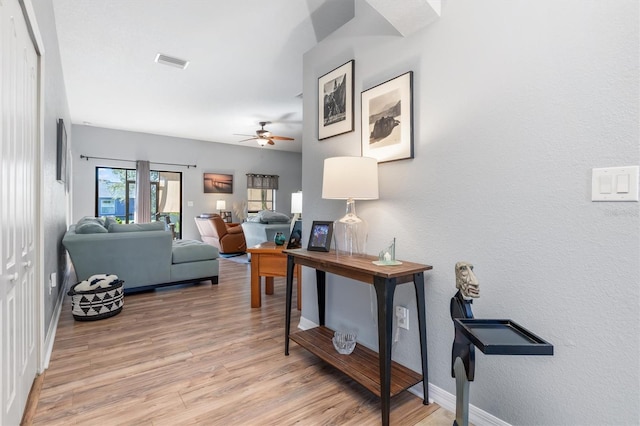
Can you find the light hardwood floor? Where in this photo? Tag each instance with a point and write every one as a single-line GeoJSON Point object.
{"type": "Point", "coordinates": [199, 354]}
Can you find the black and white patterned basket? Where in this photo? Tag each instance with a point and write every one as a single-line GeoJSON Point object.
{"type": "Point", "coordinates": [97, 304]}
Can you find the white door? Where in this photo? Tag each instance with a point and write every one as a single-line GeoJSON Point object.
{"type": "Point", "coordinates": [18, 142]}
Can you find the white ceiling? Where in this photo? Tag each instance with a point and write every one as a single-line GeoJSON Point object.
{"type": "Point", "coordinates": [245, 64]}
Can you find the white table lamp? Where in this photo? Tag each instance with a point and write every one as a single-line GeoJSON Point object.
{"type": "Point", "coordinates": [221, 205]}
{"type": "Point", "coordinates": [350, 178]}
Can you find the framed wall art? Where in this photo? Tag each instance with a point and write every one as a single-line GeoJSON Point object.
{"type": "Point", "coordinates": [216, 183]}
{"type": "Point", "coordinates": [61, 163]}
{"type": "Point", "coordinates": [320, 237]}
{"type": "Point", "coordinates": [335, 101]}
{"type": "Point", "coordinates": [387, 120]}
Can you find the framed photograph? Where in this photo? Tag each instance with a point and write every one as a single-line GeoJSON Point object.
{"type": "Point", "coordinates": [321, 234]}
{"type": "Point", "coordinates": [216, 183]}
{"type": "Point", "coordinates": [387, 120]}
{"type": "Point", "coordinates": [335, 101]}
{"type": "Point", "coordinates": [295, 238]}
{"type": "Point", "coordinates": [61, 163]}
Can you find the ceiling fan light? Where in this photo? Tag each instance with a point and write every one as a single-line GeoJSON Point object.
{"type": "Point", "coordinates": [262, 142]}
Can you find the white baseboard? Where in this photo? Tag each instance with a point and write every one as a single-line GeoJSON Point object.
{"type": "Point", "coordinates": [306, 324]}
{"type": "Point", "coordinates": [51, 334]}
{"type": "Point", "coordinates": [53, 326]}
{"type": "Point", "coordinates": [438, 395]}
{"type": "Point", "coordinates": [447, 401]}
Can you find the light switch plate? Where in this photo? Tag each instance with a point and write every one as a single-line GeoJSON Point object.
{"type": "Point", "coordinates": [615, 184]}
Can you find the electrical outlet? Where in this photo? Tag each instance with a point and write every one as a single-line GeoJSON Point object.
{"type": "Point", "coordinates": [402, 314]}
{"type": "Point", "coordinates": [53, 281]}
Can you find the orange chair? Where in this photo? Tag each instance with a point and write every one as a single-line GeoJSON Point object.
{"type": "Point", "coordinates": [228, 238]}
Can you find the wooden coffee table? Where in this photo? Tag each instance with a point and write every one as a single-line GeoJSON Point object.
{"type": "Point", "coordinates": [267, 260]}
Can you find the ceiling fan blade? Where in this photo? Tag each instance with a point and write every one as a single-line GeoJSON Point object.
{"type": "Point", "coordinates": [281, 138]}
{"type": "Point", "coordinates": [271, 142]}
{"type": "Point", "coordinates": [250, 139]}
{"type": "Point", "coordinates": [242, 134]}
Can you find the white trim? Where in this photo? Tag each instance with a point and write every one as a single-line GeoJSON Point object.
{"type": "Point", "coordinates": [447, 401]}
{"type": "Point", "coordinates": [51, 334]}
{"type": "Point", "coordinates": [306, 324]}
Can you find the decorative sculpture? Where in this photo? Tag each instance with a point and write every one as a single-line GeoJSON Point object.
{"type": "Point", "coordinates": [387, 256]}
{"type": "Point", "coordinates": [463, 352]}
{"type": "Point", "coordinates": [506, 338]}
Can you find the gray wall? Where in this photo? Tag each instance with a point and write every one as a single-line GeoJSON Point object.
{"type": "Point", "coordinates": [53, 194]}
{"type": "Point", "coordinates": [208, 156]}
{"type": "Point", "coordinates": [514, 103]}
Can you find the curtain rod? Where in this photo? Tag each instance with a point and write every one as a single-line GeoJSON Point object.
{"type": "Point", "coordinates": [86, 157]}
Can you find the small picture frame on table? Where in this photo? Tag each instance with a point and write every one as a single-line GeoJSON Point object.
{"type": "Point", "coordinates": [295, 239]}
{"type": "Point", "coordinates": [321, 234]}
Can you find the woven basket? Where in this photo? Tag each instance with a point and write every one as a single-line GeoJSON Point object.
{"type": "Point", "coordinates": [97, 304]}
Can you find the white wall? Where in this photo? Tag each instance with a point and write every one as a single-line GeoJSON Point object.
{"type": "Point", "coordinates": [209, 158]}
{"type": "Point", "coordinates": [515, 101]}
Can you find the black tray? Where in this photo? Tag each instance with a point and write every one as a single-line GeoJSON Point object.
{"type": "Point", "coordinates": [502, 337]}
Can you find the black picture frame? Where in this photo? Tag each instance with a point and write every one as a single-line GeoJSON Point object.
{"type": "Point", "coordinates": [335, 101]}
{"type": "Point", "coordinates": [387, 119]}
{"type": "Point", "coordinates": [295, 239]}
{"type": "Point", "coordinates": [320, 237]}
{"type": "Point", "coordinates": [61, 162]}
{"type": "Point", "coordinates": [217, 183]}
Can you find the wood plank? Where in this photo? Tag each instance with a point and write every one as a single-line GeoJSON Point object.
{"type": "Point", "coordinates": [362, 364]}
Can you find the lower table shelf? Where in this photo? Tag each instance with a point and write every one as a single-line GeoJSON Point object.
{"type": "Point", "coordinates": [361, 365]}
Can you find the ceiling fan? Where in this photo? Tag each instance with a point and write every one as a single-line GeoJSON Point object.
{"type": "Point", "coordinates": [264, 137]}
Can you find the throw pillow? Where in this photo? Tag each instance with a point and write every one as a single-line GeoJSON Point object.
{"type": "Point", "coordinates": [90, 228]}
{"type": "Point", "coordinates": [268, 216]}
{"type": "Point", "coordinates": [109, 220]}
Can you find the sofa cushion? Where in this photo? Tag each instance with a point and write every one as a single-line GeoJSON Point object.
{"type": "Point", "coordinates": [137, 227]}
{"type": "Point", "coordinates": [184, 251]}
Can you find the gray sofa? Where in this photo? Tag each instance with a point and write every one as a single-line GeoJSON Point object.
{"type": "Point", "coordinates": [264, 226]}
{"type": "Point", "coordinates": [143, 255]}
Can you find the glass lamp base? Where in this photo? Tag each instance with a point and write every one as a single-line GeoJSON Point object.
{"type": "Point", "coordinates": [350, 235]}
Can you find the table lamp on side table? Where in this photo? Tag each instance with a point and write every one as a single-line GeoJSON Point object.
{"type": "Point", "coordinates": [350, 178]}
{"type": "Point", "coordinates": [220, 206]}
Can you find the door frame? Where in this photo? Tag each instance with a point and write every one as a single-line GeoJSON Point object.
{"type": "Point", "coordinates": [32, 25]}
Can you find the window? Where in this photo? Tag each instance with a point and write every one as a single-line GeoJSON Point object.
{"type": "Point", "coordinates": [116, 195]}
{"type": "Point", "coordinates": [261, 192]}
{"type": "Point", "coordinates": [260, 199]}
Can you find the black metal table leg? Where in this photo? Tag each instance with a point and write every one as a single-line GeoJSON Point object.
{"type": "Point", "coordinates": [289, 290]}
{"type": "Point", "coordinates": [418, 282]}
{"type": "Point", "coordinates": [385, 289]}
{"type": "Point", "coordinates": [321, 279]}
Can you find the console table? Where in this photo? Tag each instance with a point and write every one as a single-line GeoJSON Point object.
{"type": "Point", "coordinates": [390, 378]}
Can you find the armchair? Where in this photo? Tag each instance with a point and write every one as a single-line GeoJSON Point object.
{"type": "Point", "coordinates": [228, 238]}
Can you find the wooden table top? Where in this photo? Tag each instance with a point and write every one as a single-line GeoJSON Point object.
{"type": "Point", "coordinates": [356, 267]}
{"type": "Point", "coordinates": [267, 247]}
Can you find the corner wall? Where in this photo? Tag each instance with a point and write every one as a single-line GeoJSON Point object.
{"type": "Point", "coordinates": [208, 156]}
{"type": "Point", "coordinates": [514, 103]}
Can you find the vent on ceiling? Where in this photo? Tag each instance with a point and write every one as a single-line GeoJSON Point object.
{"type": "Point", "coordinates": [171, 61]}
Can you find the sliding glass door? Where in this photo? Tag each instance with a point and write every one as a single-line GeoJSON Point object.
{"type": "Point", "coordinates": [116, 196]}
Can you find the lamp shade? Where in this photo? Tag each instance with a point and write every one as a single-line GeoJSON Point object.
{"type": "Point", "coordinates": [296, 202]}
{"type": "Point", "coordinates": [221, 205]}
{"type": "Point", "coordinates": [350, 177]}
